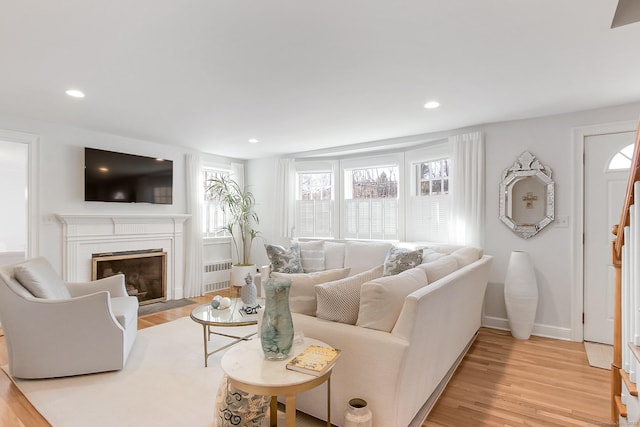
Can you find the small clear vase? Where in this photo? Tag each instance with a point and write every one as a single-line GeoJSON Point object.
{"type": "Point", "coordinates": [276, 328]}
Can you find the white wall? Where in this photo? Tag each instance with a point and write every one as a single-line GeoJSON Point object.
{"type": "Point", "coordinates": [551, 140]}
{"type": "Point", "coordinates": [61, 176]}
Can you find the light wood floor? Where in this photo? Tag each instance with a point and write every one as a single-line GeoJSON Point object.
{"type": "Point", "coordinates": [501, 382]}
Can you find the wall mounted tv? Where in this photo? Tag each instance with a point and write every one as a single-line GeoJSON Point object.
{"type": "Point", "coordinates": [126, 178]}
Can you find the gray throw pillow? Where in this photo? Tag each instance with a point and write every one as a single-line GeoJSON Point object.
{"type": "Point", "coordinates": [39, 278]}
{"type": "Point", "coordinates": [284, 260]}
{"type": "Point", "coordinates": [401, 259]}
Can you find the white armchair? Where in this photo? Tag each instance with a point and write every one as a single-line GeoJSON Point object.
{"type": "Point", "coordinates": [57, 329]}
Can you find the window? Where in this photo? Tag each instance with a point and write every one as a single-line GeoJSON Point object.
{"type": "Point", "coordinates": [212, 216]}
{"type": "Point", "coordinates": [314, 204]}
{"type": "Point", "coordinates": [433, 177]}
{"type": "Point", "coordinates": [622, 159]}
{"type": "Point", "coordinates": [429, 203]}
{"type": "Point", "coordinates": [371, 203]}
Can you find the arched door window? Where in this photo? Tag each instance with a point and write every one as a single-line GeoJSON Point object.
{"type": "Point", "coordinates": [622, 159]}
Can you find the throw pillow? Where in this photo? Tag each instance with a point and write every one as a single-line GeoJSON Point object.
{"type": "Point", "coordinates": [467, 255]}
{"type": "Point", "coordinates": [401, 259]}
{"type": "Point", "coordinates": [381, 300]}
{"type": "Point", "coordinates": [339, 301]}
{"type": "Point", "coordinates": [312, 255]}
{"type": "Point", "coordinates": [284, 260]}
{"type": "Point", "coordinates": [302, 296]}
{"type": "Point", "coordinates": [39, 278]}
{"type": "Point", "coordinates": [429, 255]}
{"type": "Point", "coordinates": [238, 408]}
{"type": "Point", "coordinates": [439, 268]}
{"type": "Point", "coordinates": [361, 256]}
{"type": "Point", "coordinates": [334, 254]}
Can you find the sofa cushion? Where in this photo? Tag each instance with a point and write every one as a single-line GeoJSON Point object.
{"type": "Point", "coordinates": [439, 268]}
{"type": "Point", "coordinates": [339, 301]}
{"type": "Point", "coordinates": [467, 255]}
{"type": "Point", "coordinates": [334, 254]}
{"type": "Point", "coordinates": [39, 278]}
{"type": "Point", "coordinates": [312, 256]}
{"type": "Point", "coordinates": [381, 300]}
{"type": "Point", "coordinates": [362, 256]}
{"type": "Point", "coordinates": [302, 295]}
{"type": "Point", "coordinates": [284, 260]}
{"type": "Point", "coordinates": [401, 259]}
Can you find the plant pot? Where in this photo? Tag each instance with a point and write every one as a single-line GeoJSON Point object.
{"type": "Point", "coordinates": [239, 272]}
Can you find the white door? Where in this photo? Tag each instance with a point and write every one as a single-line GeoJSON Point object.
{"type": "Point", "coordinates": [604, 190]}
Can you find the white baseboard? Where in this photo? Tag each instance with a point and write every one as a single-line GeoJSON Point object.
{"type": "Point", "coordinates": [538, 330]}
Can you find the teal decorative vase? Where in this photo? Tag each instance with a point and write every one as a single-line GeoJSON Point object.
{"type": "Point", "coordinates": [276, 328]}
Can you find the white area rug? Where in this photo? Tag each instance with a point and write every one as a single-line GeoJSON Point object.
{"type": "Point", "coordinates": [164, 384]}
{"type": "Point", "coordinates": [599, 355]}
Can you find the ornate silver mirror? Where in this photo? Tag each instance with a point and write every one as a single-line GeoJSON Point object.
{"type": "Point", "coordinates": [527, 196]}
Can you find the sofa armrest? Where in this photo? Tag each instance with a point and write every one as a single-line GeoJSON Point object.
{"type": "Point", "coordinates": [112, 284]}
{"type": "Point", "coordinates": [369, 367]}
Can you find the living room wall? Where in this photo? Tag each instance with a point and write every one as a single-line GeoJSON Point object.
{"type": "Point", "coordinates": [61, 176]}
{"type": "Point", "coordinates": [551, 140]}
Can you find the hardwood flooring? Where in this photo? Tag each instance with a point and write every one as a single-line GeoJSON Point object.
{"type": "Point", "coordinates": [501, 382]}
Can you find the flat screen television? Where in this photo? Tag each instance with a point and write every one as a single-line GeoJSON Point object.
{"type": "Point", "coordinates": [126, 178]}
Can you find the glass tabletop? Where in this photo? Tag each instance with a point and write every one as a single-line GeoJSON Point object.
{"type": "Point", "coordinates": [231, 316]}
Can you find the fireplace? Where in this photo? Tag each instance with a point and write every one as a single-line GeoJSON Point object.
{"type": "Point", "coordinates": [145, 272]}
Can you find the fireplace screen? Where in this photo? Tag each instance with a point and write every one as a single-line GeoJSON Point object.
{"type": "Point", "coordinates": [145, 272]}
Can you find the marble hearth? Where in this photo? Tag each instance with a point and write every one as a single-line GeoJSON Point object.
{"type": "Point", "coordinates": [88, 234]}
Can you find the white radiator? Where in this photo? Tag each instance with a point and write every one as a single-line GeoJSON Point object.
{"type": "Point", "coordinates": [217, 275]}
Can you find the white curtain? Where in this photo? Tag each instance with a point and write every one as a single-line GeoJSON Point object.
{"type": "Point", "coordinates": [285, 198]}
{"type": "Point", "coordinates": [194, 267]}
{"type": "Point", "coordinates": [467, 189]}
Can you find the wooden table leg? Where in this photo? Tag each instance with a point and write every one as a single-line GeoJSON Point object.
{"type": "Point", "coordinates": [273, 412]}
{"type": "Point", "coordinates": [291, 410]}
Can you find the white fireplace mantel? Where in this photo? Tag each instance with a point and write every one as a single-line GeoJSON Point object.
{"type": "Point", "coordinates": [87, 234]}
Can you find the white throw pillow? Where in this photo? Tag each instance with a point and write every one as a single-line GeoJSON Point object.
{"type": "Point", "coordinates": [429, 255]}
{"type": "Point", "coordinates": [302, 295]}
{"type": "Point", "coordinates": [466, 255]}
{"type": "Point", "coordinates": [439, 268]}
{"type": "Point", "coordinates": [39, 278]}
{"type": "Point", "coordinates": [401, 259]}
{"type": "Point", "coordinates": [312, 255]}
{"type": "Point", "coordinates": [339, 301]}
{"type": "Point", "coordinates": [381, 300]}
{"type": "Point", "coordinates": [334, 255]}
{"type": "Point", "coordinates": [362, 256]}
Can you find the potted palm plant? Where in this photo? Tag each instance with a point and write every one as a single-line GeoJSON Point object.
{"type": "Point", "coordinates": [238, 205]}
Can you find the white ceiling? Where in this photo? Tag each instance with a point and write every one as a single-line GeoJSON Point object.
{"type": "Point", "coordinates": [303, 75]}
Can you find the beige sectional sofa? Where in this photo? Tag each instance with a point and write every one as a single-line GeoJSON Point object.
{"type": "Point", "coordinates": [401, 336]}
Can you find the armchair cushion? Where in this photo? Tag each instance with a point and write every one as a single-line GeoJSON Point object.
{"type": "Point", "coordinates": [39, 278]}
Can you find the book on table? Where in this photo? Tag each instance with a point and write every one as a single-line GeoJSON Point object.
{"type": "Point", "coordinates": [314, 360]}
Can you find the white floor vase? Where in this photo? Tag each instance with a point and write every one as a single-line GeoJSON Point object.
{"type": "Point", "coordinates": [521, 294]}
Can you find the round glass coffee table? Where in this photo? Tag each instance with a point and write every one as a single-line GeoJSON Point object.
{"type": "Point", "coordinates": [249, 371]}
{"type": "Point", "coordinates": [208, 316]}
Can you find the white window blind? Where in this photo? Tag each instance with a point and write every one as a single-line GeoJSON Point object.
{"type": "Point", "coordinates": [429, 218]}
{"type": "Point", "coordinates": [314, 218]}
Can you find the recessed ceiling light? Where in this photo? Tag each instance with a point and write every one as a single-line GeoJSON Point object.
{"type": "Point", "coordinates": [253, 141]}
{"type": "Point", "coordinates": [432, 104]}
{"type": "Point", "coordinates": [75, 93]}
